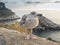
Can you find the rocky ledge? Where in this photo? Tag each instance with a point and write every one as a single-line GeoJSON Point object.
{"type": "Point", "coordinates": [12, 37]}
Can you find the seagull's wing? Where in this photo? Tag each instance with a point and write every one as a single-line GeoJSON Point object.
{"type": "Point", "coordinates": [23, 20]}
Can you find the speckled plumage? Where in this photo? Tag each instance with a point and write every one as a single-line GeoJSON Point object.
{"type": "Point", "coordinates": [30, 22]}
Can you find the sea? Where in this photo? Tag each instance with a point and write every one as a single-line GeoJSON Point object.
{"type": "Point", "coordinates": [49, 10]}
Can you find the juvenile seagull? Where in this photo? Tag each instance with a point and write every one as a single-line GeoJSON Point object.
{"type": "Point", "coordinates": [30, 21]}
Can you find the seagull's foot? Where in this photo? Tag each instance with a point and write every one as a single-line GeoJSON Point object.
{"type": "Point", "coordinates": [27, 37]}
{"type": "Point", "coordinates": [33, 37]}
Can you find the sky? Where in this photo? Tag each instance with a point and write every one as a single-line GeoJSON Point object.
{"type": "Point", "coordinates": [30, 0]}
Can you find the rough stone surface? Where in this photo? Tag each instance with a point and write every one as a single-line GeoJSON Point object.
{"type": "Point", "coordinates": [46, 23]}
{"type": "Point", "coordinates": [12, 37]}
{"type": "Point", "coordinates": [4, 12]}
{"type": "Point", "coordinates": [2, 40]}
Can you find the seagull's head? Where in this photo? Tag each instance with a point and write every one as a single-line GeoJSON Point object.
{"type": "Point", "coordinates": [33, 12]}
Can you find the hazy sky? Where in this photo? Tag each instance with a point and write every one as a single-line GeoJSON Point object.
{"type": "Point", "coordinates": [32, 0]}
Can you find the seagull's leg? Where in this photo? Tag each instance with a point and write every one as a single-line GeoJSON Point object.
{"type": "Point", "coordinates": [31, 32]}
{"type": "Point", "coordinates": [28, 34]}
{"type": "Point", "coordinates": [32, 36]}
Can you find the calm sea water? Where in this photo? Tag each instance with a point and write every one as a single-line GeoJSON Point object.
{"type": "Point", "coordinates": [49, 10]}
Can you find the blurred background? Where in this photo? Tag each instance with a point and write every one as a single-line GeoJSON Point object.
{"type": "Point", "coordinates": [49, 8]}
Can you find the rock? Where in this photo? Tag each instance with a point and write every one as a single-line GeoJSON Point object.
{"type": "Point", "coordinates": [4, 12]}
{"type": "Point", "coordinates": [7, 16]}
{"type": "Point", "coordinates": [12, 37]}
{"type": "Point", "coordinates": [46, 23]}
{"type": "Point", "coordinates": [2, 40]}
{"type": "Point", "coordinates": [2, 5]}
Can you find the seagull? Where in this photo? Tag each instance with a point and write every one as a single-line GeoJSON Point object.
{"type": "Point", "coordinates": [30, 21]}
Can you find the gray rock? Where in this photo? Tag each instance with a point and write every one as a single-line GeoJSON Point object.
{"type": "Point", "coordinates": [7, 16]}
{"type": "Point", "coordinates": [4, 12]}
{"type": "Point", "coordinates": [45, 23]}
{"type": "Point", "coordinates": [2, 40]}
